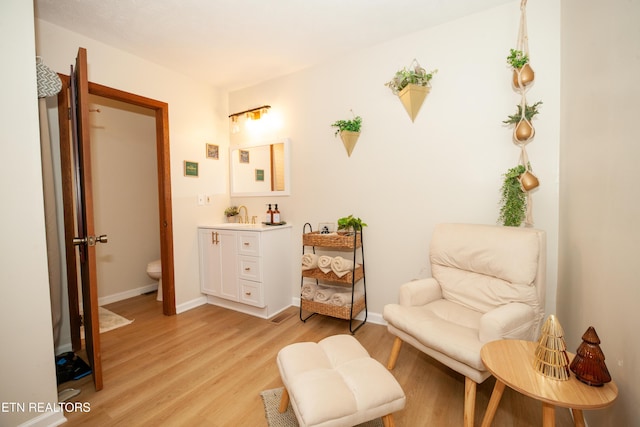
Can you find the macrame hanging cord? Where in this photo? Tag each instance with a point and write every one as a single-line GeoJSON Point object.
{"type": "Point", "coordinates": [522, 44]}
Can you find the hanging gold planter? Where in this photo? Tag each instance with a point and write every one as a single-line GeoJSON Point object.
{"type": "Point", "coordinates": [349, 139]}
{"type": "Point", "coordinates": [523, 131]}
{"type": "Point", "coordinates": [528, 181]}
{"type": "Point", "coordinates": [524, 75]}
{"type": "Point", "coordinates": [412, 97]}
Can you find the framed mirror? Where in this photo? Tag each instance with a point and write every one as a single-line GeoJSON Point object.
{"type": "Point", "coordinates": [260, 169]}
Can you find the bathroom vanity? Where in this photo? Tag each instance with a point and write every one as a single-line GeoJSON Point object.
{"type": "Point", "coordinates": [246, 267]}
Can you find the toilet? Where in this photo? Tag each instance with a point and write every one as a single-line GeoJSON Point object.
{"type": "Point", "coordinates": [154, 270]}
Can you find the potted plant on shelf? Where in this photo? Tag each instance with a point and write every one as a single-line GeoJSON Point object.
{"type": "Point", "coordinates": [350, 224]}
{"type": "Point", "coordinates": [231, 213]}
{"type": "Point", "coordinates": [349, 131]}
{"type": "Point", "coordinates": [523, 74]}
{"type": "Point", "coordinates": [523, 130]}
{"type": "Point", "coordinates": [411, 84]}
{"type": "Point", "coordinates": [513, 200]}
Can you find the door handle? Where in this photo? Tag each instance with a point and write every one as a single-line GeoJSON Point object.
{"type": "Point", "coordinates": [90, 240]}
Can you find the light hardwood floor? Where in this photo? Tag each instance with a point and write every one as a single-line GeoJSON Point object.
{"type": "Point", "coordinates": [207, 366]}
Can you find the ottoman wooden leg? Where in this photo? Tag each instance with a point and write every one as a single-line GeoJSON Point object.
{"type": "Point", "coordinates": [387, 421]}
{"type": "Point", "coordinates": [284, 401]}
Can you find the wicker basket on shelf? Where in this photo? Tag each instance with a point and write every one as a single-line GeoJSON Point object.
{"type": "Point", "coordinates": [335, 240]}
{"type": "Point", "coordinates": [316, 273]}
{"type": "Point", "coordinates": [338, 311]}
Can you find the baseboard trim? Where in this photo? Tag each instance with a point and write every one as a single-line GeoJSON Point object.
{"type": "Point", "coordinates": [127, 294]}
{"type": "Point", "coordinates": [186, 306]}
{"type": "Point", "coordinates": [47, 419]}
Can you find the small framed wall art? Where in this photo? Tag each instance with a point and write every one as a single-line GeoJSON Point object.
{"type": "Point", "coordinates": [244, 156]}
{"type": "Point", "coordinates": [259, 174]}
{"type": "Point", "coordinates": [190, 168]}
{"type": "Point", "coordinates": [213, 152]}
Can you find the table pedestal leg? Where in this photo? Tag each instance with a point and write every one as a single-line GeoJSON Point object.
{"type": "Point", "coordinates": [548, 415]}
{"type": "Point", "coordinates": [496, 395]}
{"type": "Point", "coordinates": [578, 418]}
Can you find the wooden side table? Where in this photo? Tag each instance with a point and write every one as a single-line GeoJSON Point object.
{"type": "Point", "coordinates": [511, 362]}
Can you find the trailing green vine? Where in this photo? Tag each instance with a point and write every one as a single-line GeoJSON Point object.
{"type": "Point", "coordinates": [513, 200]}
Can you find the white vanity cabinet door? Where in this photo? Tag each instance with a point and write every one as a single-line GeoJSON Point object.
{"type": "Point", "coordinates": [218, 273]}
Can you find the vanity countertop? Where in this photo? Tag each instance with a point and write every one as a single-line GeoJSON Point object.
{"type": "Point", "coordinates": [246, 227]}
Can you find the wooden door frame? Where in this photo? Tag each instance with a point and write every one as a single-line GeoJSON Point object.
{"type": "Point", "coordinates": [161, 110]}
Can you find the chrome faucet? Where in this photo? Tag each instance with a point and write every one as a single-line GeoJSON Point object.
{"type": "Point", "coordinates": [246, 214]}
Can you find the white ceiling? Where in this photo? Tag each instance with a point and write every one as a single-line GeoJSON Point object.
{"type": "Point", "coordinates": [237, 43]}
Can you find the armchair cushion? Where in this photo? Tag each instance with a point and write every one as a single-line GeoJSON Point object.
{"type": "Point", "coordinates": [420, 292]}
{"type": "Point", "coordinates": [481, 292]}
{"type": "Point", "coordinates": [510, 321]}
{"type": "Point", "coordinates": [442, 325]}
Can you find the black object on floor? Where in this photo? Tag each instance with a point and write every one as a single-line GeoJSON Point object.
{"type": "Point", "coordinates": [70, 367]}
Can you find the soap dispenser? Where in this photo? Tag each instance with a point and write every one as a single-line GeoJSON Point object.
{"type": "Point", "coordinates": [276, 215]}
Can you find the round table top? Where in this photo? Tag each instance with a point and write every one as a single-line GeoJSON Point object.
{"type": "Point", "coordinates": [511, 361]}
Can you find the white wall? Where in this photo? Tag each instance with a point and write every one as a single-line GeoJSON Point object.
{"type": "Point", "coordinates": [197, 115]}
{"type": "Point", "coordinates": [27, 363]}
{"type": "Point", "coordinates": [125, 196]}
{"type": "Point", "coordinates": [402, 177]}
{"type": "Point", "coordinates": [599, 198]}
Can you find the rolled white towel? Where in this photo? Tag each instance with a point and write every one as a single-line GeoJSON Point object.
{"type": "Point", "coordinates": [324, 294]}
{"type": "Point", "coordinates": [308, 291]}
{"type": "Point", "coordinates": [324, 263]}
{"type": "Point", "coordinates": [344, 298]}
{"type": "Point", "coordinates": [341, 266]}
{"type": "Point", "coordinates": [309, 261]}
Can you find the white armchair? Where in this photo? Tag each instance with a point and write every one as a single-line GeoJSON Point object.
{"type": "Point", "coordinates": [488, 284]}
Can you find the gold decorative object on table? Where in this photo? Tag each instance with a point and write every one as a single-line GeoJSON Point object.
{"type": "Point", "coordinates": [551, 358]}
{"type": "Point", "coordinates": [588, 364]}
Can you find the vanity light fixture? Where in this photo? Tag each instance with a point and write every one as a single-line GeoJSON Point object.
{"type": "Point", "coordinates": [253, 114]}
{"type": "Point", "coordinates": [235, 127]}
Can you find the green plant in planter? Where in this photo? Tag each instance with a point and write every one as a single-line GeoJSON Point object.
{"type": "Point", "coordinates": [513, 200]}
{"type": "Point", "coordinates": [348, 125]}
{"type": "Point", "coordinates": [350, 223]}
{"type": "Point", "coordinates": [413, 75]}
{"type": "Point", "coordinates": [231, 211]}
{"type": "Point", "coordinates": [517, 58]}
{"type": "Point", "coordinates": [529, 112]}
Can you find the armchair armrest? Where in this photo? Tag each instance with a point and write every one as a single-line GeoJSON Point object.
{"type": "Point", "coordinates": [420, 292]}
{"type": "Point", "coordinates": [510, 321]}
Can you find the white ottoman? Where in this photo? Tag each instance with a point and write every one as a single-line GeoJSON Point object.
{"type": "Point", "coordinates": [334, 383]}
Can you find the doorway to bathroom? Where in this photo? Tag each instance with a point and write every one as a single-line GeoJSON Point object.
{"type": "Point", "coordinates": [163, 190]}
{"type": "Point", "coordinates": [124, 179]}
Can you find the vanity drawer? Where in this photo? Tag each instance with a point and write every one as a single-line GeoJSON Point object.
{"type": "Point", "coordinates": [249, 244]}
{"type": "Point", "coordinates": [249, 268]}
{"type": "Point", "coordinates": [251, 293]}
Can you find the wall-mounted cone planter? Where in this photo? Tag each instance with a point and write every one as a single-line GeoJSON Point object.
{"type": "Point", "coordinates": [412, 97]}
{"type": "Point", "coordinates": [349, 140]}
{"type": "Point", "coordinates": [526, 76]}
